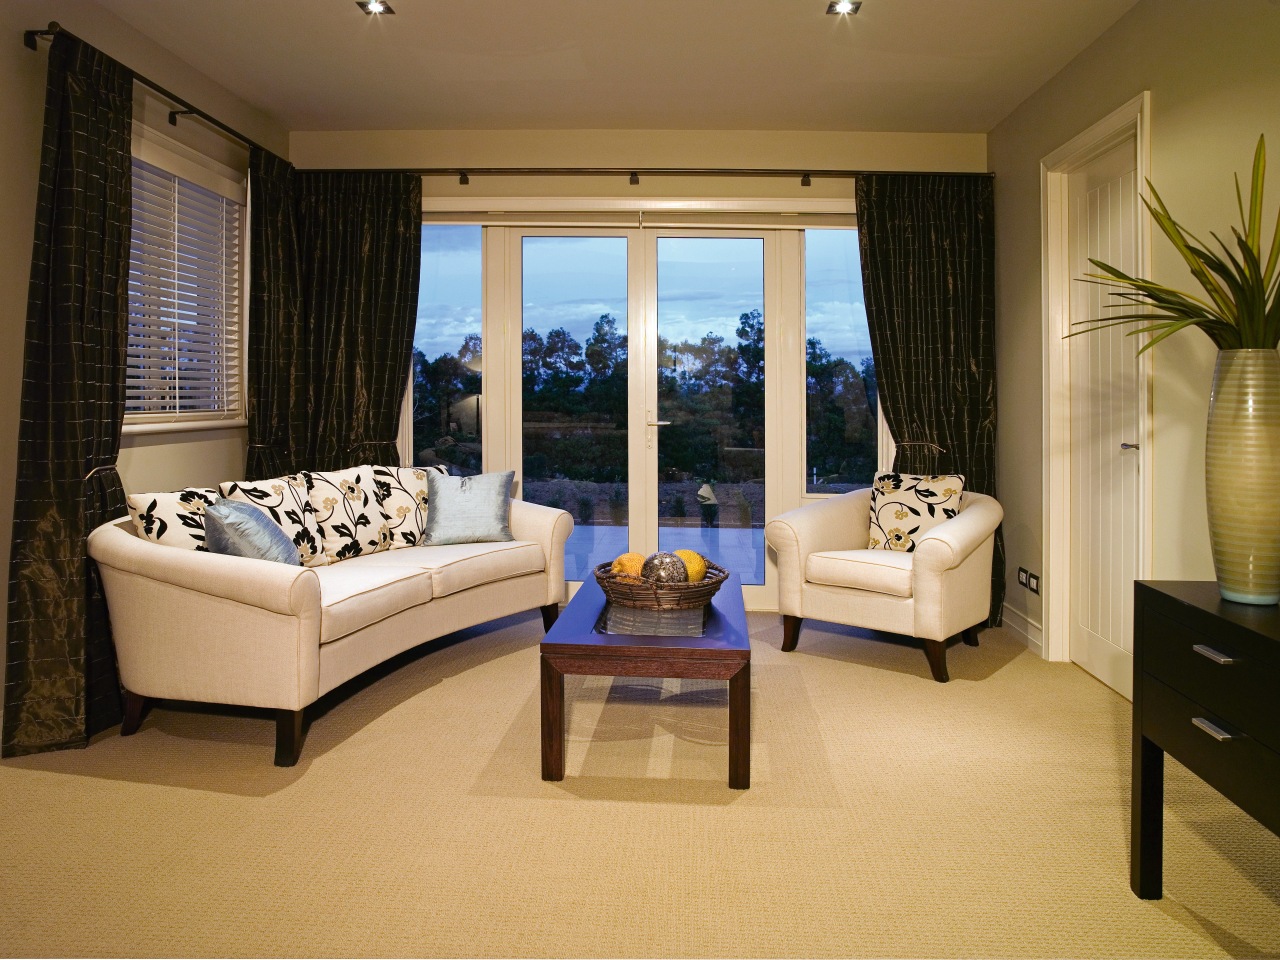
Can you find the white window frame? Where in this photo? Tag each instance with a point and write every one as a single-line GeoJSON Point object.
{"type": "Point", "coordinates": [791, 216]}
{"type": "Point", "coordinates": [174, 158]}
{"type": "Point", "coordinates": [886, 449]}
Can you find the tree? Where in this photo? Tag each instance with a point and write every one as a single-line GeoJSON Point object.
{"type": "Point", "coordinates": [606, 361]}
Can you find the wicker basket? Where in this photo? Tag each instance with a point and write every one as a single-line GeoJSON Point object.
{"type": "Point", "coordinates": [644, 595]}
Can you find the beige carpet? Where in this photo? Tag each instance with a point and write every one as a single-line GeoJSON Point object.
{"type": "Point", "coordinates": [888, 816]}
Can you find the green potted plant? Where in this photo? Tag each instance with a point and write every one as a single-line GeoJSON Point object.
{"type": "Point", "coordinates": [1240, 312]}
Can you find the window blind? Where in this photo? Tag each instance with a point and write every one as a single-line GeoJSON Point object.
{"type": "Point", "coordinates": [184, 351]}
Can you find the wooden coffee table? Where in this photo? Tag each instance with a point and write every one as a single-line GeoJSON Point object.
{"type": "Point", "coordinates": [723, 652]}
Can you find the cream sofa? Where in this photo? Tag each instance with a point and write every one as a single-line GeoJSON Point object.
{"type": "Point", "coordinates": [192, 625]}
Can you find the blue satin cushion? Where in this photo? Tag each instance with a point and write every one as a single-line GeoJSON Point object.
{"type": "Point", "coordinates": [242, 530]}
{"type": "Point", "coordinates": [468, 509]}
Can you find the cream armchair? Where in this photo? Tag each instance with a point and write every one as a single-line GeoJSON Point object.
{"type": "Point", "coordinates": [941, 589]}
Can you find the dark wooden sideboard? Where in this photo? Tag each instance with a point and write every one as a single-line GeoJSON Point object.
{"type": "Point", "coordinates": [1206, 690]}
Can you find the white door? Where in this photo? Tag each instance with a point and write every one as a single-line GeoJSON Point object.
{"type": "Point", "coordinates": [641, 391]}
{"type": "Point", "coordinates": [1106, 419]}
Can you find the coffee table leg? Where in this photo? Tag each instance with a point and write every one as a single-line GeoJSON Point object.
{"type": "Point", "coordinates": [552, 721]}
{"type": "Point", "coordinates": [740, 728]}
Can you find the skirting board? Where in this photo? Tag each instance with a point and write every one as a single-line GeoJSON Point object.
{"type": "Point", "coordinates": [1024, 626]}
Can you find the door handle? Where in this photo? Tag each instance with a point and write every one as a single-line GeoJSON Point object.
{"type": "Point", "coordinates": [1128, 446]}
{"type": "Point", "coordinates": [658, 423]}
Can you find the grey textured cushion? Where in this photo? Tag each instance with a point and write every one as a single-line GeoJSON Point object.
{"type": "Point", "coordinates": [469, 509]}
{"type": "Point", "coordinates": [242, 530]}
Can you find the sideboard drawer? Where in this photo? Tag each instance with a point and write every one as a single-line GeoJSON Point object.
{"type": "Point", "coordinates": [1239, 766]}
{"type": "Point", "coordinates": [1233, 677]}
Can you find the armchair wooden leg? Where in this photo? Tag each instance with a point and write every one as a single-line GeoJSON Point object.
{"type": "Point", "coordinates": [135, 710]}
{"type": "Point", "coordinates": [550, 613]}
{"type": "Point", "coordinates": [290, 732]}
{"type": "Point", "coordinates": [970, 636]}
{"type": "Point", "coordinates": [790, 631]}
{"type": "Point", "coordinates": [936, 651]}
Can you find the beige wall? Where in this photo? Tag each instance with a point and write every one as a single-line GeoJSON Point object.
{"type": "Point", "coordinates": [151, 462]}
{"type": "Point", "coordinates": [1214, 87]}
{"type": "Point", "coordinates": [639, 148]}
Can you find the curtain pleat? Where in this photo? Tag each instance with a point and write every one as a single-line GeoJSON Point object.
{"type": "Point", "coordinates": [360, 237]}
{"type": "Point", "coordinates": [928, 265]}
{"type": "Point", "coordinates": [278, 399]}
{"type": "Point", "coordinates": [61, 685]}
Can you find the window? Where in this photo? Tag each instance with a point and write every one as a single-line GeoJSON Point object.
{"type": "Point", "coordinates": [841, 428]}
{"type": "Point", "coordinates": [447, 351]}
{"type": "Point", "coordinates": [184, 351]}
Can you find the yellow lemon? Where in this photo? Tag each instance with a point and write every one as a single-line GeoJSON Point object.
{"type": "Point", "coordinates": [695, 563]}
{"type": "Point", "coordinates": [628, 564]}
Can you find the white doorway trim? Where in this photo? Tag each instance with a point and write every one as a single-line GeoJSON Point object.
{"type": "Point", "coordinates": [1132, 120]}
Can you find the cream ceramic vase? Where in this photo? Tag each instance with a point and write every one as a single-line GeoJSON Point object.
{"type": "Point", "coordinates": [1242, 471]}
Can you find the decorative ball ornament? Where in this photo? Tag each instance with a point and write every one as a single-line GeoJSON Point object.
{"type": "Point", "coordinates": [695, 563]}
{"type": "Point", "coordinates": [665, 568]}
{"type": "Point", "coordinates": [629, 564]}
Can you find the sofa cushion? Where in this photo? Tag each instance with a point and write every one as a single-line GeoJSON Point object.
{"type": "Point", "coordinates": [455, 567]}
{"type": "Point", "coordinates": [879, 571]}
{"type": "Point", "coordinates": [285, 500]}
{"type": "Point", "coordinates": [355, 594]}
{"type": "Point", "coordinates": [469, 509]}
{"type": "Point", "coordinates": [174, 519]}
{"type": "Point", "coordinates": [905, 507]}
{"type": "Point", "coordinates": [348, 513]}
{"type": "Point", "coordinates": [403, 492]}
{"type": "Point", "coordinates": [242, 530]}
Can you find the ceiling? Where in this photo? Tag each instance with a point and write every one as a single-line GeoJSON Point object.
{"type": "Point", "coordinates": [899, 65]}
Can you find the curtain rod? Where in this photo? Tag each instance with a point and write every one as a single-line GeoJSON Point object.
{"type": "Point", "coordinates": [635, 173]}
{"type": "Point", "coordinates": [29, 38]}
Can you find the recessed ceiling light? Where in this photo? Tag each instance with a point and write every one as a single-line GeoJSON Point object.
{"type": "Point", "coordinates": [843, 6]}
{"type": "Point", "coordinates": [374, 6]}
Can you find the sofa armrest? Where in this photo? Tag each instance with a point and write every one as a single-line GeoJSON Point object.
{"type": "Point", "coordinates": [277, 587]}
{"type": "Point", "coordinates": [550, 528]}
{"type": "Point", "coordinates": [949, 544]}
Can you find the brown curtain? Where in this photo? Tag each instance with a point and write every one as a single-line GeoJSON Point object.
{"type": "Point", "coordinates": [278, 394]}
{"type": "Point", "coordinates": [360, 240]}
{"type": "Point", "coordinates": [928, 275]}
{"type": "Point", "coordinates": [61, 685]}
{"type": "Point", "coordinates": [333, 306]}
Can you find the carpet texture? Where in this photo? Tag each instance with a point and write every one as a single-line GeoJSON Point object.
{"type": "Point", "coordinates": [888, 816]}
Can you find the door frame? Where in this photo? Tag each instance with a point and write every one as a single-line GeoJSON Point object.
{"type": "Point", "coordinates": [1132, 120]}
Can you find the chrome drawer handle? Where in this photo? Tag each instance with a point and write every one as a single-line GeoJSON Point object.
{"type": "Point", "coordinates": [1212, 729]}
{"type": "Point", "coordinates": [1214, 655]}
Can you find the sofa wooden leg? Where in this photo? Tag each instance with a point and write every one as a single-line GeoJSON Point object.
{"type": "Point", "coordinates": [790, 631]}
{"type": "Point", "coordinates": [936, 651]}
{"type": "Point", "coordinates": [135, 710]}
{"type": "Point", "coordinates": [550, 613]}
{"type": "Point", "coordinates": [970, 636]}
{"type": "Point", "coordinates": [290, 732]}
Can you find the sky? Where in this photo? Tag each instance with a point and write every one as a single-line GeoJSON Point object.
{"type": "Point", "coordinates": [704, 285]}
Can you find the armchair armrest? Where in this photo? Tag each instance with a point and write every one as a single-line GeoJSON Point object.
{"type": "Point", "coordinates": [837, 523]}
{"type": "Point", "coordinates": [277, 587]}
{"type": "Point", "coordinates": [949, 544]}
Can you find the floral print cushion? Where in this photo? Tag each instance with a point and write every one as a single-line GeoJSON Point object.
{"type": "Point", "coordinates": [403, 492]}
{"type": "Point", "coordinates": [287, 501]}
{"type": "Point", "coordinates": [905, 507]}
{"type": "Point", "coordinates": [174, 519]}
{"type": "Point", "coordinates": [348, 512]}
